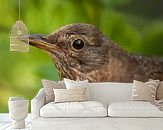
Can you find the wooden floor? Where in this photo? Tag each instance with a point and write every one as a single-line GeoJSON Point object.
{"type": "Point", "coordinates": [7, 126]}
{"type": "Point", "coordinates": [6, 122]}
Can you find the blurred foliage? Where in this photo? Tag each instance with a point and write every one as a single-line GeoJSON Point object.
{"type": "Point", "coordinates": [136, 25]}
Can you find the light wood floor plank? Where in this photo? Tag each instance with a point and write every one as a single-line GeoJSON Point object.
{"type": "Point", "coordinates": [6, 122]}
{"type": "Point", "coordinates": [1, 123]}
{"type": "Point", "coordinates": [9, 126]}
{"type": "Point", "coordinates": [28, 126]}
{"type": "Point", "coordinates": [3, 127]}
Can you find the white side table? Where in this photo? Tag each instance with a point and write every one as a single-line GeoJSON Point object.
{"type": "Point", "coordinates": [18, 110]}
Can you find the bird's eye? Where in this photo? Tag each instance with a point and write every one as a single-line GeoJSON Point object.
{"type": "Point", "coordinates": [78, 44]}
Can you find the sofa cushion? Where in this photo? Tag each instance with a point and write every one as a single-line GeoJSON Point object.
{"type": "Point", "coordinates": [133, 109]}
{"type": "Point", "coordinates": [74, 109]}
{"type": "Point", "coordinates": [70, 95]}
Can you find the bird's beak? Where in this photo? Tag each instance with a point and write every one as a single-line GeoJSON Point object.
{"type": "Point", "coordinates": [41, 42]}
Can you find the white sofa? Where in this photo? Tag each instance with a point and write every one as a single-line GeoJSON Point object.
{"type": "Point", "coordinates": [119, 112]}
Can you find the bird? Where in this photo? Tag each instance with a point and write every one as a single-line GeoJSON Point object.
{"type": "Point", "coordinates": [80, 51]}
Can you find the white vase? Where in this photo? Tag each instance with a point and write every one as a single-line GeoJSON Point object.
{"type": "Point", "coordinates": [18, 110]}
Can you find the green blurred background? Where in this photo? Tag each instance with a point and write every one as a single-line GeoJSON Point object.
{"type": "Point", "coordinates": [136, 25]}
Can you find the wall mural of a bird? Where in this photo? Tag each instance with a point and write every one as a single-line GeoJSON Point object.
{"type": "Point", "coordinates": [80, 51]}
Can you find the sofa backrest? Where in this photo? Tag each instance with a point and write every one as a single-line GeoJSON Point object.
{"type": "Point", "coordinates": [107, 92]}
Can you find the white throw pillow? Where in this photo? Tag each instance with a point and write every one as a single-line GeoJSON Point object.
{"type": "Point", "coordinates": [72, 84]}
{"type": "Point", "coordinates": [70, 95]}
{"type": "Point", "coordinates": [144, 91]}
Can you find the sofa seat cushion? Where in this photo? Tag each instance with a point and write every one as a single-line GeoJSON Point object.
{"type": "Point", "coordinates": [133, 109]}
{"type": "Point", "coordinates": [74, 109]}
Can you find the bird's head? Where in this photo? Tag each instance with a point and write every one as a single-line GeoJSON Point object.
{"type": "Point", "coordinates": [75, 49]}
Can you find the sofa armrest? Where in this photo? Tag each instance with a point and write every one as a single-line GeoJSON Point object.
{"type": "Point", "coordinates": [36, 103]}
